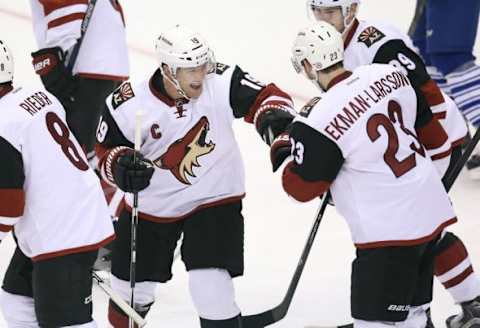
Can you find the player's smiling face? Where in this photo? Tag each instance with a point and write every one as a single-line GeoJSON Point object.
{"type": "Point", "coordinates": [331, 15]}
{"type": "Point", "coordinates": [191, 80]}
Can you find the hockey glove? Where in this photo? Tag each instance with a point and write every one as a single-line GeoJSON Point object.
{"type": "Point", "coordinates": [272, 120]}
{"type": "Point", "coordinates": [280, 150]}
{"type": "Point", "coordinates": [49, 63]}
{"type": "Point", "coordinates": [130, 175]}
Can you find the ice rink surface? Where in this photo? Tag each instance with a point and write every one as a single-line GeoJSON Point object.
{"type": "Point", "coordinates": [256, 35]}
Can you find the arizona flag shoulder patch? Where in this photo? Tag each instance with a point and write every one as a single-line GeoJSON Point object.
{"type": "Point", "coordinates": [370, 35]}
{"type": "Point", "coordinates": [122, 94]}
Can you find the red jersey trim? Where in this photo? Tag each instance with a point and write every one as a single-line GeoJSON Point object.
{"type": "Point", "coordinates": [450, 258]}
{"type": "Point", "coordinates": [160, 219]}
{"type": "Point", "coordinates": [13, 202]}
{"type": "Point", "coordinates": [65, 19]}
{"type": "Point", "coordinates": [432, 135]}
{"type": "Point", "coordinates": [51, 5]}
{"type": "Point", "coordinates": [432, 93]}
{"type": "Point", "coordinates": [167, 100]}
{"type": "Point", "coordinates": [410, 242]}
{"type": "Point", "coordinates": [440, 115]}
{"type": "Point", "coordinates": [302, 190]}
{"type": "Point", "coordinates": [5, 228]}
{"type": "Point", "coordinates": [339, 78]}
{"type": "Point", "coordinates": [350, 33]}
{"type": "Point", "coordinates": [459, 142]}
{"type": "Point", "coordinates": [444, 154]}
{"type": "Point", "coordinates": [95, 76]}
{"type": "Point", "coordinates": [75, 250]}
{"type": "Point", "coordinates": [5, 89]}
{"type": "Point", "coordinates": [459, 279]}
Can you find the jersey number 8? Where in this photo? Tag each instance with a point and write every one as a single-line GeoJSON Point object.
{"type": "Point", "coordinates": [62, 138]}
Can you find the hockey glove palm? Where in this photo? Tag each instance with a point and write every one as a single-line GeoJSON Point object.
{"type": "Point", "coordinates": [130, 175]}
{"type": "Point", "coordinates": [280, 150]}
{"type": "Point", "coordinates": [49, 63]}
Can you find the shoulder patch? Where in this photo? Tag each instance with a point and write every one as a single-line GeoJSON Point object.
{"type": "Point", "coordinates": [370, 35]}
{"type": "Point", "coordinates": [220, 68]}
{"type": "Point", "coordinates": [122, 94]}
{"type": "Point", "coordinates": [305, 111]}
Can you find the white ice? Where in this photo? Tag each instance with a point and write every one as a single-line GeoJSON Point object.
{"type": "Point", "coordinates": [256, 35]}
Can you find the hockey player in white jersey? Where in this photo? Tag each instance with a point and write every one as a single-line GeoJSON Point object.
{"type": "Point", "coordinates": [362, 140]}
{"type": "Point", "coordinates": [367, 42]}
{"type": "Point", "coordinates": [53, 202]}
{"type": "Point", "coordinates": [189, 105]}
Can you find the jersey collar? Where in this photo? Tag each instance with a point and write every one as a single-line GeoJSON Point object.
{"type": "Point", "coordinates": [158, 89]}
{"type": "Point", "coordinates": [350, 33]}
{"type": "Point", "coordinates": [339, 78]}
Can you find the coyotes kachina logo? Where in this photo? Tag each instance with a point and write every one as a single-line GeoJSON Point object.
{"type": "Point", "coordinates": [182, 156]}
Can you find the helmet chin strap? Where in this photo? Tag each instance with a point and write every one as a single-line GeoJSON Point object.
{"type": "Point", "coordinates": [174, 82]}
{"type": "Point", "coordinates": [346, 25]}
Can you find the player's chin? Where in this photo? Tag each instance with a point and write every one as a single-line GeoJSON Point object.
{"type": "Point", "coordinates": [194, 91]}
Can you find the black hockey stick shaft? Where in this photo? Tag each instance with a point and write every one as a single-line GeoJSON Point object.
{"type": "Point", "coordinates": [271, 316]}
{"type": "Point", "coordinates": [450, 179]}
{"type": "Point", "coordinates": [83, 29]}
{"type": "Point", "coordinates": [416, 18]}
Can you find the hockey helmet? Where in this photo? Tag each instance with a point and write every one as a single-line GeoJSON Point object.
{"type": "Point", "coordinates": [345, 4]}
{"type": "Point", "coordinates": [180, 47]}
{"type": "Point", "coordinates": [6, 63]}
{"type": "Point", "coordinates": [320, 44]}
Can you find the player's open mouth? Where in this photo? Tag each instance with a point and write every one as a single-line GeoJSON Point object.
{"type": "Point", "coordinates": [196, 86]}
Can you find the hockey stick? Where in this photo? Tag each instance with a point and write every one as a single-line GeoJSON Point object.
{"type": "Point", "coordinates": [418, 13]}
{"type": "Point", "coordinates": [134, 224]}
{"type": "Point", "coordinates": [450, 179]}
{"type": "Point", "coordinates": [127, 309]}
{"type": "Point", "coordinates": [83, 29]}
{"type": "Point", "coordinates": [268, 317]}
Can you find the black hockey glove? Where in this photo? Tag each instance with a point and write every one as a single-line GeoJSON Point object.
{"type": "Point", "coordinates": [130, 175]}
{"type": "Point", "coordinates": [280, 150]}
{"type": "Point", "coordinates": [49, 63]}
{"type": "Point", "coordinates": [272, 121]}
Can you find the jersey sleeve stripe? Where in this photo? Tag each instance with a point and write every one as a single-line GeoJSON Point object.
{"type": "Point", "coordinates": [9, 221]}
{"type": "Point", "coordinates": [65, 19]}
{"type": "Point", "coordinates": [300, 189]}
{"type": "Point", "coordinates": [432, 135]}
{"type": "Point", "coordinates": [432, 93]}
{"type": "Point", "coordinates": [51, 5]}
{"type": "Point", "coordinates": [5, 228]}
{"type": "Point", "coordinates": [14, 200]}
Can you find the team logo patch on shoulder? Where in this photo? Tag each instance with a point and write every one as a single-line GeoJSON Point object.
{"type": "Point", "coordinates": [305, 111]}
{"type": "Point", "coordinates": [122, 94]}
{"type": "Point", "coordinates": [220, 68]}
{"type": "Point", "coordinates": [370, 35]}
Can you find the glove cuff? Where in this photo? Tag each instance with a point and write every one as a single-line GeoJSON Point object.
{"type": "Point", "coordinates": [110, 162]}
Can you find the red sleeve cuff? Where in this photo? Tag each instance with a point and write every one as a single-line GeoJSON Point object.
{"type": "Point", "coordinates": [302, 190]}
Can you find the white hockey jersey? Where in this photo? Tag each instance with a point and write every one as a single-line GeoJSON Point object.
{"type": "Point", "coordinates": [192, 144]}
{"type": "Point", "coordinates": [103, 54]}
{"type": "Point", "coordinates": [375, 42]}
{"type": "Point", "coordinates": [363, 140]}
{"type": "Point", "coordinates": [48, 193]}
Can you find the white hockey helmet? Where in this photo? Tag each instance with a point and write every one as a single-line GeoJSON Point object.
{"type": "Point", "coordinates": [346, 6]}
{"type": "Point", "coordinates": [180, 47]}
{"type": "Point", "coordinates": [6, 63]}
{"type": "Point", "coordinates": [320, 44]}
